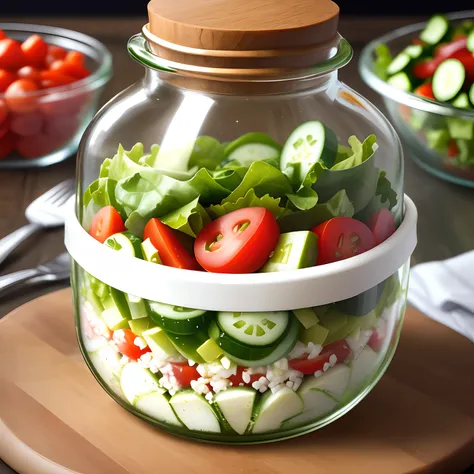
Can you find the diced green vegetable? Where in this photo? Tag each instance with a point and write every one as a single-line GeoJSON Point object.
{"type": "Point", "coordinates": [306, 316]}
{"type": "Point", "coordinates": [210, 351]}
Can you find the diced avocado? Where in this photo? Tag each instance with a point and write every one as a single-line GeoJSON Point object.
{"type": "Point", "coordinates": [159, 343]}
{"type": "Point", "coordinates": [274, 408]}
{"type": "Point", "coordinates": [137, 381]}
{"type": "Point", "coordinates": [361, 304]}
{"type": "Point", "coordinates": [150, 253]}
{"type": "Point", "coordinates": [294, 250]}
{"type": "Point", "coordinates": [460, 129]}
{"type": "Point", "coordinates": [362, 368]}
{"type": "Point", "coordinates": [306, 316]}
{"type": "Point", "coordinates": [236, 406]}
{"type": "Point", "coordinates": [195, 412]}
{"type": "Point", "coordinates": [316, 334]}
{"type": "Point", "coordinates": [332, 320]}
{"type": "Point", "coordinates": [209, 351]}
{"type": "Point", "coordinates": [138, 326]}
{"type": "Point", "coordinates": [114, 319]}
{"type": "Point", "coordinates": [95, 302]}
{"type": "Point", "coordinates": [156, 405]}
{"type": "Point", "coordinates": [136, 306]}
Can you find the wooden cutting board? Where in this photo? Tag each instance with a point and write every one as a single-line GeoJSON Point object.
{"type": "Point", "coordinates": [55, 418]}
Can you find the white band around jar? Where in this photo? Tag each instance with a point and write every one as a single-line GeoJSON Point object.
{"type": "Point", "coordinates": [274, 291]}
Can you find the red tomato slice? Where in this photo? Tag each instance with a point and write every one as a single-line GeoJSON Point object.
{"type": "Point", "coordinates": [342, 237]}
{"type": "Point", "coordinates": [6, 78]}
{"type": "Point", "coordinates": [11, 55]}
{"type": "Point", "coordinates": [453, 149]}
{"type": "Point", "coordinates": [18, 96]}
{"type": "Point", "coordinates": [170, 248]}
{"type": "Point", "coordinates": [309, 366]}
{"type": "Point", "coordinates": [446, 50]}
{"type": "Point", "coordinates": [26, 124]}
{"type": "Point", "coordinates": [34, 50]}
{"type": "Point", "coordinates": [238, 242]}
{"type": "Point", "coordinates": [125, 340]}
{"type": "Point", "coordinates": [425, 90]}
{"type": "Point", "coordinates": [106, 222]}
{"type": "Point", "coordinates": [7, 144]}
{"type": "Point", "coordinates": [237, 379]}
{"type": "Point", "coordinates": [184, 373]}
{"type": "Point", "coordinates": [376, 340]}
{"type": "Point", "coordinates": [382, 225]}
{"type": "Point", "coordinates": [467, 59]}
{"type": "Point", "coordinates": [426, 69]}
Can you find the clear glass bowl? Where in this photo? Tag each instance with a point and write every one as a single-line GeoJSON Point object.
{"type": "Point", "coordinates": [423, 123]}
{"type": "Point", "coordinates": [337, 323]}
{"type": "Point", "coordinates": [49, 125]}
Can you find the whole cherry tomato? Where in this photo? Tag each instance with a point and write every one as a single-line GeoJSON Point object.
{"type": "Point", "coordinates": [18, 96]}
{"type": "Point", "coordinates": [34, 146]}
{"type": "Point", "coordinates": [28, 72]}
{"type": "Point", "coordinates": [34, 50]}
{"type": "Point", "coordinates": [54, 52]}
{"type": "Point", "coordinates": [11, 55]}
{"type": "Point", "coordinates": [78, 71]}
{"type": "Point", "coordinates": [26, 124]}
{"type": "Point", "coordinates": [6, 78]}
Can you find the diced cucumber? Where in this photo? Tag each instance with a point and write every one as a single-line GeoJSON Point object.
{"type": "Point", "coordinates": [156, 405]}
{"type": "Point", "coordinates": [362, 368]}
{"type": "Point", "coordinates": [236, 405]}
{"type": "Point", "coordinates": [398, 64]}
{"type": "Point", "coordinates": [362, 303]}
{"type": "Point", "coordinates": [120, 302]}
{"type": "Point", "coordinates": [306, 316]}
{"type": "Point", "coordinates": [448, 79]}
{"type": "Point", "coordinates": [435, 30]}
{"type": "Point", "coordinates": [401, 81]}
{"type": "Point", "coordinates": [461, 101]}
{"type": "Point", "coordinates": [294, 250]}
{"type": "Point", "coordinates": [137, 381]}
{"type": "Point", "coordinates": [210, 351]}
{"type": "Point", "coordinates": [352, 323]}
{"type": "Point", "coordinates": [470, 42]}
{"type": "Point", "coordinates": [95, 302]}
{"type": "Point", "coordinates": [254, 329]}
{"type": "Point", "coordinates": [194, 412]}
{"type": "Point", "coordinates": [158, 342]}
{"type": "Point", "coordinates": [114, 319]}
{"type": "Point", "coordinates": [187, 345]}
{"type": "Point", "coordinates": [308, 144]}
{"type": "Point", "coordinates": [253, 146]}
{"type": "Point", "coordinates": [460, 129]}
{"type": "Point", "coordinates": [316, 334]}
{"type": "Point", "coordinates": [125, 243]}
{"type": "Point", "coordinates": [149, 252]}
{"type": "Point", "coordinates": [139, 326]}
{"type": "Point", "coordinates": [176, 319]}
{"type": "Point", "coordinates": [437, 139]}
{"type": "Point", "coordinates": [106, 362]}
{"type": "Point", "coordinates": [136, 306]}
{"type": "Point", "coordinates": [98, 287]}
{"type": "Point", "coordinates": [274, 408]}
{"type": "Point", "coordinates": [368, 321]}
{"type": "Point", "coordinates": [332, 320]}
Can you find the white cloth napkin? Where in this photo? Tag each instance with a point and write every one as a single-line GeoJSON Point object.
{"type": "Point", "coordinates": [444, 291]}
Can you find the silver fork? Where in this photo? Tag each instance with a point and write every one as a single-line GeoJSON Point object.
{"type": "Point", "coordinates": [44, 212]}
{"type": "Point", "coordinates": [54, 270]}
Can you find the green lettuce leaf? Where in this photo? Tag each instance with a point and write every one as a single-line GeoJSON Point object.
{"type": "Point", "coordinates": [338, 205]}
{"type": "Point", "coordinates": [189, 219]}
{"type": "Point", "coordinates": [358, 152]}
{"type": "Point", "coordinates": [383, 58]}
{"type": "Point", "coordinates": [149, 159]}
{"type": "Point", "coordinates": [305, 198]}
{"type": "Point", "coordinates": [99, 194]}
{"type": "Point", "coordinates": [207, 153]}
{"type": "Point", "coordinates": [249, 200]}
{"type": "Point", "coordinates": [126, 163]}
{"type": "Point", "coordinates": [229, 178]}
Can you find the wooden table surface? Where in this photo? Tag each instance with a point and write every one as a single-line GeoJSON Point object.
{"type": "Point", "coordinates": [445, 210]}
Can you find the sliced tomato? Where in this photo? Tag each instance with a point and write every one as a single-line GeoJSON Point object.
{"type": "Point", "coordinates": [467, 59]}
{"type": "Point", "coordinates": [425, 69]}
{"type": "Point", "coordinates": [446, 50]}
{"type": "Point", "coordinates": [382, 225]}
{"type": "Point", "coordinates": [7, 144]}
{"type": "Point", "coordinates": [342, 237]}
{"type": "Point", "coordinates": [376, 340]}
{"type": "Point", "coordinates": [18, 96]}
{"type": "Point", "coordinates": [453, 149]}
{"type": "Point", "coordinates": [425, 90]}
{"type": "Point", "coordinates": [125, 341]}
{"type": "Point", "coordinates": [238, 242]}
{"type": "Point", "coordinates": [78, 71]}
{"type": "Point", "coordinates": [106, 222]}
{"type": "Point", "coordinates": [35, 50]}
{"type": "Point", "coordinates": [171, 250]}
{"type": "Point", "coordinates": [184, 373]}
{"type": "Point", "coordinates": [340, 349]}
{"type": "Point", "coordinates": [6, 78]}
{"type": "Point", "coordinates": [11, 55]}
{"type": "Point", "coordinates": [26, 124]}
{"type": "Point", "coordinates": [237, 379]}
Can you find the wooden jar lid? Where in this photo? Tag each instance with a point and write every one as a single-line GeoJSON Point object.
{"type": "Point", "coordinates": [254, 34]}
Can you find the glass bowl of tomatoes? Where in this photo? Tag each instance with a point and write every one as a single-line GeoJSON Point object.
{"type": "Point", "coordinates": [425, 73]}
{"type": "Point", "coordinates": [241, 239]}
{"type": "Point", "coordinates": [50, 82]}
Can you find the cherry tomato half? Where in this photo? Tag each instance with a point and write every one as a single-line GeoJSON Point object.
{"type": "Point", "coordinates": [237, 379]}
{"type": "Point", "coordinates": [340, 349]}
{"type": "Point", "coordinates": [238, 242]}
{"type": "Point", "coordinates": [11, 55]}
{"type": "Point", "coordinates": [34, 50]}
{"type": "Point", "coordinates": [425, 90]}
{"type": "Point", "coordinates": [184, 373]}
{"type": "Point", "coordinates": [6, 78]}
{"type": "Point", "coordinates": [106, 222]}
{"type": "Point", "coordinates": [125, 341]}
{"type": "Point", "coordinates": [171, 250]}
{"type": "Point", "coordinates": [376, 340]}
{"type": "Point", "coordinates": [453, 149]}
{"type": "Point", "coordinates": [382, 225]}
{"type": "Point", "coordinates": [7, 144]}
{"type": "Point", "coordinates": [342, 237]}
{"type": "Point", "coordinates": [18, 96]}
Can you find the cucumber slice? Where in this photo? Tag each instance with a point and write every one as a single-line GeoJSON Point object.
{"type": "Point", "coordinates": [159, 343]}
{"type": "Point", "coordinates": [253, 146]}
{"type": "Point", "coordinates": [362, 368]}
{"type": "Point", "coordinates": [176, 319]}
{"type": "Point", "coordinates": [275, 408]}
{"type": "Point", "coordinates": [280, 351]}
{"type": "Point", "coordinates": [294, 250]}
{"type": "Point", "coordinates": [470, 42]}
{"type": "Point", "coordinates": [254, 329]}
{"type": "Point", "coordinates": [308, 144]}
{"type": "Point", "coordinates": [306, 316]}
{"type": "Point", "coordinates": [448, 79]}
{"type": "Point", "coordinates": [361, 304]}
{"type": "Point", "coordinates": [323, 403]}
{"type": "Point", "coordinates": [126, 243]}
{"type": "Point", "coordinates": [106, 362]}
{"type": "Point", "coordinates": [398, 64]}
{"type": "Point", "coordinates": [149, 252]}
{"type": "Point", "coordinates": [137, 381]}
{"type": "Point", "coordinates": [414, 51]}
{"type": "Point", "coordinates": [210, 351]}
{"type": "Point", "coordinates": [460, 129]}
{"type": "Point", "coordinates": [114, 319]}
{"type": "Point", "coordinates": [471, 94]}
{"type": "Point", "coordinates": [187, 345]}
{"type": "Point", "coordinates": [156, 405]}
{"type": "Point", "coordinates": [435, 30]}
{"type": "Point", "coordinates": [401, 81]}
{"type": "Point", "coordinates": [98, 287]}
{"type": "Point", "coordinates": [194, 412]}
{"type": "Point", "coordinates": [461, 101]}
{"type": "Point", "coordinates": [236, 405]}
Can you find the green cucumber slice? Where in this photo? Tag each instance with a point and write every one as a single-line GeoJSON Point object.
{"type": "Point", "coordinates": [254, 329]}
{"type": "Point", "coordinates": [136, 381]}
{"type": "Point", "coordinates": [448, 79]}
{"type": "Point", "coordinates": [414, 51]}
{"type": "Point", "coordinates": [361, 304]}
{"type": "Point", "coordinates": [470, 42]}
{"type": "Point", "coordinates": [126, 243]}
{"type": "Point", "coordinates": [362, 368]}
{"type": "Point", "coordinates": [106, 363]}
{"type": "Point", "coordinates": [308, 144]}
{"type": "Point", "coordinates": [461, 101]}
{"type": "Point", "coordinates": [398, 64]}
{"type": "Point", "coordinates": [157, 405]}
{"type": "Point", "coordinates": [471, 94]}
{"type": "Point", "coordinates": [149, 252]}
{"type": "Point", "coordinates": [187, 345]}
{"type": "Point", "coordinates": [401, 81]}
{"type": "Point", "coordinates": [236, 406]}
{"type": "Point", "coordinates": [435, 30]}
{"type": "Point", "coordinates": [294, 250]}
{"type": "Point", "coordinates": [253, 146]}
{"type": "Point", "coordinates": [460, 129]}
{"type": "Point", "coordinates": [176, 319]}
{"type": "Point", "coordinates": [281, 350]}
{"type": "Point", "coordinates": [194, 412]}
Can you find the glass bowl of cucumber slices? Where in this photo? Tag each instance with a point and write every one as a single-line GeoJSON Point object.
{"type": "Point", "coordinates": [425, 73]}
{"type": "Point", "coordinates": [240, 241]}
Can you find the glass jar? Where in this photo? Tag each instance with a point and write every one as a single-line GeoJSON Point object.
{"type": "Point", "coordinates": [290, 337]}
